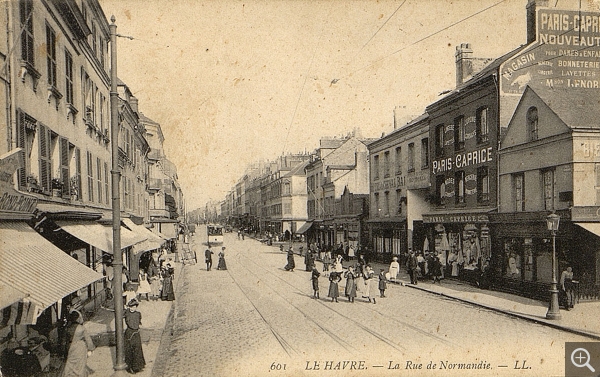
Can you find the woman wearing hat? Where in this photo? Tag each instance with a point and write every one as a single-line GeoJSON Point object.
{"type": "Point", "coordinates": [134, 356]}
{"type": "Point", "coordinates": [81, 346]}
{"type": "Point", "coordinates": [394, 269]}
{"type": "Point", "coordinates": [222, 265]}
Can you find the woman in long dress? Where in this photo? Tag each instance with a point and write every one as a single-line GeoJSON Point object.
{"type": "Point", "coordinates": [350, 290]}
{"type": "Point", "coordinates": [369, 289]}
{"type": "Point", "coordinates": [167, 294]}
{"type": "Point", "coordinates": [144, 287]}
{"type": "Point", "coordinates": [339, 268]}
{"type": "Point", "coordinates": [154, 279]}
{"type": "Point", "coordinates": [222, 265]}
{"type": "Point", "coordinates": [334, 292]}
{"type": "Point", "coordinates": [291, 264]}
{"type": "Point", "coordinates": [394, 269]}
{"type": "Point", "coordinates": [81, 347]}
{"type": "Point", "coordinates": [134, 355]}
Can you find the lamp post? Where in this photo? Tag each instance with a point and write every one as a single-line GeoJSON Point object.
{"type": "Point", "coordinates": [552, 221]}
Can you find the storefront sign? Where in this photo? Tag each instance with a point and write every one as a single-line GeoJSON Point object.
{"type": "Point", "coordinates": [588, 149]}
{"type": "Point", "coordinates": [11, 200]}
{"type": "Point", "coordinates": [452, 218]}
{"type": "Point", "coordinates": [387, 184]}
{"type": "Point", "coordinates": [462, 160]}
{"type": "Point", "coordinates": [417, 180]}
{"type": "Point", "coordinates": [565, 55]}
{"type": "Point", "coordinates": [591, 213]}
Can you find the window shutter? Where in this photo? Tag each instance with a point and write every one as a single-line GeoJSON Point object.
{"type": "Point", "coordinates": [22, 172]}
{"type": "Point", "coordinates": [45, 163]}
{"type": "Point", "coordinates": [64, 166]}
{"type": "Point", "coordinates": [78, 171]}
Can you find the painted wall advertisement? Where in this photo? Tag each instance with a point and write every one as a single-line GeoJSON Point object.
{"type": "Point", "coordinates": [565, 55]}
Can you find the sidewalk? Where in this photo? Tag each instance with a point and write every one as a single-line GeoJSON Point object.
{"type": "Point", "coordinates": [582, 320]}
{"type": "Point", "coordinates": [102, 326]}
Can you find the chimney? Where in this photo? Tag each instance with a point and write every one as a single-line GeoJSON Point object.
{"type": "Point", "coordinates": [133, 102]}
{"type": "Point", "coordinates": [464, 62]}
{"type": "Point", "coordinates": [532, 5]}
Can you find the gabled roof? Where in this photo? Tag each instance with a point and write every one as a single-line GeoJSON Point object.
{"type": "Point", "coordinates": [297, 170]}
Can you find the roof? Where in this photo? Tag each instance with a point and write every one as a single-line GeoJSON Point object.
{"type": "Point", "coordinates": [34, 266]}
{"type": "Point", "coordinates": [576, 107]}
{"type": "Point", "coordinates": [145, 119]}
{"type": "Point", "coordinates": [296, 170]}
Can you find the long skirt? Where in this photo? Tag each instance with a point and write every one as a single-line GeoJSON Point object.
{"type": "Point", "coordinates": [167, 291]}
{"type": "Point", "coordinates": [134, 356]}
{"type": "Point", "coordinates": [333, 290]}
{"type": "Point", "coordinates": [315, 284]}
{"type": "Point", "coordinates": [291, 263]}
{"type": "Point", "coordinates": [155, 287]}
{"type": "Point", "coordinates": [222, 265]}
{"type": "Point", "coordinates": [350, 290]}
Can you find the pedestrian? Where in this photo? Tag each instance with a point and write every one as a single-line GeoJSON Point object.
{"type": "Point", "coordinates": [412, 265]}
{"type": "Point", "coordinates": [326, 263]}
{"type": "Point", "coordinates": [394, 269]}
{"type": "Point", "coordinates": [307, 256]}
{"type": "Point", "coordinates": [382, 283]}
{"type": "Point", "coordinates": [167, 294]}
{"type": "Point", "coordinates": [350, 290]}
{"type": "Point", "coordinates": [208, 258]}
{"type": "Point", "coordinates": [368, 276]}
{"type": "Point", "coordinates": [436, 269]}
{"type": "Point", "coordinates": [566, 286]}
{"type": "Point", "coordinates": [315, 281]}
{"type": "Point", "coordinates": [339, 268]}
{"type": "Point", "coordinates": [80, 347]}
{"type": "Point", "coordinates": [144, 287]}
{"type": "Point", "coordinates": [360, 264]}
{"type": "Point", "coordinates": [222, 265]}
{"type": "Point", "coordinates": [291, 264]}
{"type": "Point", "coordinates": [134, 355]}
{"type": "Point", "coordinates": [334, 279]}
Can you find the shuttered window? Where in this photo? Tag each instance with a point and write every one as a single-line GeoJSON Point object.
{"type": "Point", "coordinates": [45, 158]}
{"type": "Point", "coordinates": [90, 177]}
{"type": "Point", "coordinates": [106, 183]}
{"type": "Point", "coordinates": [64, 166]}
{"type": "Point", "coordinates": [99, 179]}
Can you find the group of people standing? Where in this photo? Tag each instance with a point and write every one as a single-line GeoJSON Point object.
{"type": "Point", "coordinates": [157, 282]}
{"type": "Point", "coordinates": [208, 253]}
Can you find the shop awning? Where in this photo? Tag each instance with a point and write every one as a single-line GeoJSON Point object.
{"type": "Point", "coordinates": [152, 242]}
{"type": "Point", "coordinates": [9, 295]}
{"type": "Point", "coordinates": [591, 227]}
{"type": "Point", "coordinates": [58, 211]}
{"type": "Point", "coordinates": [99, 236]}
{"type": "Point", "coordinates": [304, 228]}
{"type": "Point", "coordinates": [34, 266]}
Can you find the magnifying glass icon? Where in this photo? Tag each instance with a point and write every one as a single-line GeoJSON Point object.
{"type": "Point", "coordinates": [581, 354]}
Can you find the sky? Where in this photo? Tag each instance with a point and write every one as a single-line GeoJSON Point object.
{"type": "Point", "coordinates": [233, 82]}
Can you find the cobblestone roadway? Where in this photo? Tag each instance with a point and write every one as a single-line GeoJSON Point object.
{"type": "Point", "coordinates": [241, 321]}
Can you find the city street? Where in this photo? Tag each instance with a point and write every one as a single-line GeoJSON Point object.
{"type": "Point", "coordinates": [258, 319]}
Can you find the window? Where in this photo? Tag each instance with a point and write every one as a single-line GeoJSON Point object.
{"type": "Point", "coordinates": [99, 179]}
{"type": "Point", "coordinates": [411, 157]}
{"type": "Point", "coordinates": [377, 207]}
{"type": "Point", "coordinates": [90, 177]}
{"type": "Point", "coordinates": [102, 125]}
{"type": "Point", "coordinates": [398, 160]}
{"type": "Point", "coordinates": [69, 77]}
{"type": "Point", "coordinates": [386, 164]}
{"type": "Point", "coordinates": [532, 123]}
{"type": "Point", "coordinates": [65, 154]}
{"type": "Point", "coordinates": [548, 182]}
{"type": "Point", "coordinates": [459, 187]}
{"type": "Point", "coordinates": [45, 157]}
{"type": "Point", "coordinates": [483, 185]}
{"type": "Point", "coordinates": [482, 125]}
{"type": "Point", "coordinates": [440, 190]}
{"type": "Point", "coordinates": [386, 203]}
{"type": "Point", "coordinates": [519, 191]}
{"type": "Point", "coordinates": [26, 128]}
{"type": "Point", "coordinates": [26, 15]}
{"type": "Point", "coordinates": [101, 51]}
{"type": "Point", "coordinates": [439, 140]}
{"type": "Point", "coordinates": [399, 200]}
{"type": "Point", "coordinates": [51, 55]}
{"type": "Point", "coordinates": [376, 167]}
{"type": "Point", "coordinates": [425, 153]}
{"type": "Point", "coordinates": [459, 133]}
{"type": "Point", "coordinates": [106, 189]}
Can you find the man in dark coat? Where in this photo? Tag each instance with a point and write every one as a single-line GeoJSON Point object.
{"type": "Point", "coordinates": [412, 265]}
{"type": "Point", "coordinates": [208, 258]}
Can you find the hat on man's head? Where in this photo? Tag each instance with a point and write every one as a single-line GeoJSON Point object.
{"type": "Point", "coordinates": [133, 302]}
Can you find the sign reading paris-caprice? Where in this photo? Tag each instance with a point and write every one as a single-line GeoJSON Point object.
{"type": "Point", "coordinates": [462, 160]}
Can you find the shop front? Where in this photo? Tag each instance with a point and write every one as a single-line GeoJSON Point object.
{"type": "Point", "coordinates": [388, 239]}
{"type": "Point", "coordinates": [461, 240]}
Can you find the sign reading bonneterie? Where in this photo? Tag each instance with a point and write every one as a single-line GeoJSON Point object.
{"type": "Point", "coordinates": [565, 55]}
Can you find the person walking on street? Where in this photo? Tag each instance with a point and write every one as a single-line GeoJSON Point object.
{"type": "Point", "coordinates": [566, 285]}
{"type": "Point", "coordinates": [350, 290]}
{"type": "Point", "coordinates": [412, 265]}
{"type": "Point", "coordinates": [436, 269]}
{"type": "Point", "coordinates": [168, 293]}
{"type": "Point", "coordinates": [134, 355]}
{"type": "Point", "coordinates": [81, 347]}
{"type": "Point", "coordinates": [334, 279]}
{"type": "Point", "coordinates": [291, 264]}
{"type": "Point", "coordinates": [208, 258]}
{"type": "Point", "coordinates": [382, 283]}
{"type": "Point", "coordinates": [368, 276]}
{"type": "Point", "coordinates": [315, 281]}
{"type": "Point", "coordinates": [326, 263]}
{"type": "Point", "coordinates": [222, 265]}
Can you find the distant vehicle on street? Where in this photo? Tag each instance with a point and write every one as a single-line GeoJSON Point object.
{"type": "Point", "coordinates": [215, 234]}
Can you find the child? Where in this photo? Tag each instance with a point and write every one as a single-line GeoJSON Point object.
{"type": "Point", "coordinates": [334, 279]}
{"type": "Point", "coordinates": [315, 281]}
{"type": "Point", "coordinates": [382, 283]}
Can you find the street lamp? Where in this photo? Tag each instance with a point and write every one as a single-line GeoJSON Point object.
{"type": "Point", "coordinates": [552, 221]}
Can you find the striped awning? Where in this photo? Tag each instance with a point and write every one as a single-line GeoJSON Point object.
{"type": "Point", "coordinates": [34, 266]}
{"type": "Point", "coordinates": [152, 242]}
{"type": "Point", "coordinates": [98, 235]}
{"type": "Point", "coordinates": [9, 295]}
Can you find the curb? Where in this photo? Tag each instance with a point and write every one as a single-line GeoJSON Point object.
{"type": "Point", "coordinates": [509, 313]}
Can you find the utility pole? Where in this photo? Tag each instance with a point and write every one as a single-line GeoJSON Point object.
{"type": "Point", "coordinates": [116, 204]}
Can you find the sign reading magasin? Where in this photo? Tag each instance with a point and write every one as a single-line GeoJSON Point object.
{"type": "Point", "coordinates": [565, 55]}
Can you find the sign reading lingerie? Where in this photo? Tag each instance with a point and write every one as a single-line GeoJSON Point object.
{"type": "Point", "coordinates": [565, 55]}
